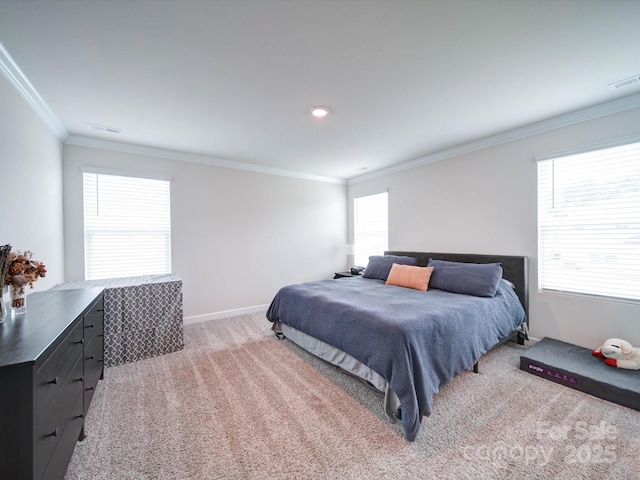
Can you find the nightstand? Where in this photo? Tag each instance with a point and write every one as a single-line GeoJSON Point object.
{"type": "Point", "coordinates": [343, 275]}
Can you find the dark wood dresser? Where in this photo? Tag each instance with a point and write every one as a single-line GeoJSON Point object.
{"type": "Point", "coordinates": [51, 359]}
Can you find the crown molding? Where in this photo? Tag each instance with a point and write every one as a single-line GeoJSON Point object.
{"type": "Point", "coordinates": [92, 142]}
{"type": "Point", "coordinates": [608, 108]}
{"type": "Point", "coordinates": [18, 79]}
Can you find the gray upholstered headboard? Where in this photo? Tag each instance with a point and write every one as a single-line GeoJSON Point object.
{"type": "Point", "coordinates": [514, 268]}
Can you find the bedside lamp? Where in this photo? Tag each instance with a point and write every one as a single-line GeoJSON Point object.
{"type": "Point", "coordinates": [351, 251]}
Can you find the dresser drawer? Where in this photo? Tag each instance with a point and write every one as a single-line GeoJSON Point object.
{"type": "Point", "coordinates": [93, 367]}
{"type": "Point", "coordinates": [54, 373]}
{"type": "Point", "coordinates": [59, 461]}
{"type": "Point", "coordinates": [94, 323]}
{"type": "Point", "coordinates": [48, 433]}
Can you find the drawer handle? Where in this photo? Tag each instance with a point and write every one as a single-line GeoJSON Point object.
{"type": "Point", "coordinates": [79, 341]}
{"type": "Point", "coordinates": [53, 434]}
{"type": "Point", "coordinates": [89, 358]}
{"type": "Point", "coordinates": [89, 326]}
{"type": "Point", "coordinates": [80, 416]}
{"type": "Point", "coordinates": [90, 389]}
{"type": "Point", "coordinates": [79, 379]}
{"type": "Point", "coordinates": [53, 382]}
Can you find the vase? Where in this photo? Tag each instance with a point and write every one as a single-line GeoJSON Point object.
{"type": "Point", "coordinates": [3, 309]}
{"type": "Point", "coordinates": [19, 299]}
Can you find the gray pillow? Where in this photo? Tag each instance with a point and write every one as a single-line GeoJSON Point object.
{"type": "Point", "coordinates": [478, 279]}
{"type": "Point", "coordinates": [379, 266]}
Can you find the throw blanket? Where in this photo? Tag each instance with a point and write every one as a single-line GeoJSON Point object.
{"type": "Point", "coordinates": [418, 341]}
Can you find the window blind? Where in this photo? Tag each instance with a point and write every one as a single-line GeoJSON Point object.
{"type": "Point", "coordinates": [589, 223]}
{"type": "Point", "coordinates": [127, 226]}
{"type": "Point", "coordinates": [370, 227]}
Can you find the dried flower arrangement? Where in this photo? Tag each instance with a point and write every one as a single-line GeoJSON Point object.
{"type": "Point", "coordinates": [23, 271]}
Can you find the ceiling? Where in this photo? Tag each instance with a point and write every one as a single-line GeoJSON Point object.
{"type": "Point", "coordinates": [233, 80]}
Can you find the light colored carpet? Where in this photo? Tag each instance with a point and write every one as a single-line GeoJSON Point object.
{"type": "Point", "coordinates": [237, 403]}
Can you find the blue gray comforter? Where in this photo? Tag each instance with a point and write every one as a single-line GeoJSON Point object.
{"type": "Point", "coordinates": [418, 341]}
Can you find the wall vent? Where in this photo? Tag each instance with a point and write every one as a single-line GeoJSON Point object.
{"type": "Point", "coordinates": [635, 80]}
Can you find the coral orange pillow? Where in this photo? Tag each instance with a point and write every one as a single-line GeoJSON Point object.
{"type": "Point", "coordinates": [409, 276]}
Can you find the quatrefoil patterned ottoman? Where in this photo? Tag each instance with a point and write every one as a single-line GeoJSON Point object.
{"type": "Point", "coordinates": [142, 316]}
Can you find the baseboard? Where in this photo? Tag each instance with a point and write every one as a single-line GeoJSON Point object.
{"type": "Point", "coordinates": [224, 314]}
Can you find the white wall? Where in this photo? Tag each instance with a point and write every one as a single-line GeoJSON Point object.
{"type": "Point", "coordinates": [486, 202]}
{"type": "Point", "coordinates": [31, 191]}
{"type": "Point", "coordinates": [237, 236]}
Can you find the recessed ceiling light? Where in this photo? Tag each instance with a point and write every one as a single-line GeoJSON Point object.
{"type": "Point", "coordinates": [104, 128]}
{"type": "Point", "coordinates": [319, 111]}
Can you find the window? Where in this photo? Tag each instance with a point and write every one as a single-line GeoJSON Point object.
{"type": "Point", "coordinates": [127, 226]}
{"type": "Point", "coordinates": [589, 222]}
{"type": "Point", "coordinates": [370, 227]}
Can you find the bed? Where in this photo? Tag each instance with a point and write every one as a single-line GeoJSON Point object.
{"type": "Point", "coordinates": [406, 342]}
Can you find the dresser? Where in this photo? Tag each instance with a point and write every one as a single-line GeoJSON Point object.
{"type": "Point", "coordinates": [51, 359]}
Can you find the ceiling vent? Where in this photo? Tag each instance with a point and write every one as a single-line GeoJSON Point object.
{"type": "Point", "coordinates": [635, 80]}
{"type": "Point", "coordinates": [103, 128]}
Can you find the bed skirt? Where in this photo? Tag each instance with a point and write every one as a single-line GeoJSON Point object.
{"type": "Point", "coordinates": [345, 361]}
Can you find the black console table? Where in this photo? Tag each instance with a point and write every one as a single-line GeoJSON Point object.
{"type": "Point", "coordinates": [51, 358]}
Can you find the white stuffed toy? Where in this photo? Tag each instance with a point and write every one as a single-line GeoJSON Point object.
{"type": "Point", "coordinates": [619, 353]}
